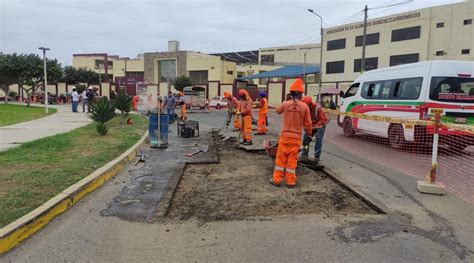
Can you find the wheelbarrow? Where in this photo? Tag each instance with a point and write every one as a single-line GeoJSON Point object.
{"type": "Point", "coordinates": [271, 147]}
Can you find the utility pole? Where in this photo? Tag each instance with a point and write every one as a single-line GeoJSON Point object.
{"type": "Point", "coordinates": [320, 53]}
{"type": "Point", "coordinates": [364, 36]}
{"type": "Point", "coordinates": [45, 84]}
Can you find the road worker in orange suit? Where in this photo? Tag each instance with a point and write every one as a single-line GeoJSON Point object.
{"type": "Point", "coordinates": [182, 103]}
{"type": "Point", "coordinates": [245, 110]}
{"type": "Point", "coordinates": [296, 115]}
{"type": "Point", "coordinates": [233, 108]}
{"type": "Point", "coordinates": [262, 114]}
{"type": "Point", "coordinates": [319, 122]}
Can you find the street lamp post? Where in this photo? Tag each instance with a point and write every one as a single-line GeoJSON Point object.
{"type": "Point", "coordinates": [45, 84]}
{"type": "Point", "coordinates": [320, 53]}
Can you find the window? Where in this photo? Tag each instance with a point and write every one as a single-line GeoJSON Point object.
{"type": "Point", "coordinates": [440, 25]}
{"type": "Point", "coordinates": [467, 22]}
{"type": "Point", "coordinates": [440, 53]}
{"type": "Point", "coordinates": [465, 51]}
{"type": "Point", "coordinates": [407, 89]}
{"type": "Point", "coordinates": [370, 39]}
{"type": "Point", "coordinates": [452, 89]}
{"type": "Point", "coordinates": [167, 69]}
{"type": "Point", "coordinates": [352, 91]}
{"type": "Point", "coordinates": [230, 72]}
{"type": "Point", "coordinates": [371, 90]}
{"type": "Point", "coordinates": [335, 67]}
{"type": "Point", "coordinates": [370, 63]}
{"type": "Point", "coordinates": [336, 44]}
{"type": "Point", "coordinates": [198, 76]}
{"type": "Point", "coordinates": [403, 59]}
{"type": "Point", "coordinates": [398, 89]}
{"type": "Point", "coordinates": [406, 33]}
{"type": "Point", "coordinates": [267, 59]}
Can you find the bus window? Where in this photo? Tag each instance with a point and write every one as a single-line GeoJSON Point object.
{"type": "Point", "coordinates": [407, 89]}
{"type": "Point", "coordinates": [352, 90]}
{"type": "Point", "coordinates": [371, 90]}
{"type": "Point", "coordinates": [452, 89]}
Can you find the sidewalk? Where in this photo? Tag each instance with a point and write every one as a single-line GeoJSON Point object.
{"type": "Point", "coordinates": [60, 122]}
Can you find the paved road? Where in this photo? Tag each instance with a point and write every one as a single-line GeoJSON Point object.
{"type": "Point", "coordinates": [417, 227]}
{"type": "Point", "coordinates": [63, 120]}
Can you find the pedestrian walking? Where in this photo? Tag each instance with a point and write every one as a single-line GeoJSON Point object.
{"type": "Point", "coordinates": [75, 99]}
{"type": "Point", "coordinates": [245, 110]}
{"type": "Point", "coordinates": [262, 114]}
{"type": "Point", "coordinates": [84, 100]}
{"type": "Point", "coordinates": [170, 104]}
{"type": "Point", "coordinates": [233, 106]}
{"type": "Point", "coordinates": [318, 122]}
{"type": "Point", "coordinates": [295, 116]}
{"type": "Point", "coordinates": [90, 98]}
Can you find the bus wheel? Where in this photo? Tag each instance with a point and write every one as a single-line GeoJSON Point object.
{"type": "Point", "coordinates": [347, 127]}
{"type": "Point", "coordinates": [396, 137]}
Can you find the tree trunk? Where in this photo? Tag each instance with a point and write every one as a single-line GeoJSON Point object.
{"type": "Point", "coordinates": [6, 99]}
{"type": "Point", "coordinates": [121, 118]}
{"type": "Point", "coordinates": [28, 99]}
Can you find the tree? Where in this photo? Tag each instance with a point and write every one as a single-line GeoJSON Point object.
{"type": "Point", "coordinates": [123, 103]}
{"type": "Point", "coordinates": [102, 112]}
{"type": "Point", "coordinates": [79, 75]}
{"type": "Point", "coordinates": [31, 73]}
{"type": "Point", "coordinates": [9, 74]}
{"type": "Point", "coordinates": [181, 82]}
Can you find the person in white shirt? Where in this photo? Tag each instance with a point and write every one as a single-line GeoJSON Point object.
{"type": "Point", "coordinates": [84, 100]}
{"type": "Point", "coordinates": [75, 99]}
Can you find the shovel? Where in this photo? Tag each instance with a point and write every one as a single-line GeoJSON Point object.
{"type": "Point", "coordinates": [202, 148]}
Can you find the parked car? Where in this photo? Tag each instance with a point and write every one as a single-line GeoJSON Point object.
{"type": "Point", "coordinates": [218, 103]}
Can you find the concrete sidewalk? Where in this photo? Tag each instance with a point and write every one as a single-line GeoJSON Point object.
{"type": "Point", "coordinates": [62, 121]}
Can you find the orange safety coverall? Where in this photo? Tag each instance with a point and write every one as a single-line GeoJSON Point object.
{"type": "Point", "coordinates": [184, 113]}
{"type": "Point", "coordinates": [295, 116]}
{"type": "Point", "coordinates": [234, 104]}
{"type": "Point", "coordinates": [135, 102]}
{"type": "Point", "coordinates": [262, 117]}
{"type": "Point", "coordinates": [245, 108]}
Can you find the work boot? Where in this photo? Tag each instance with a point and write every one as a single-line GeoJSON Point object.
{"type": "Point", "coordinates": [316, 160]}
{"type": "Point", "coordinates": [273, 183]}
{"type": "Point", "coordinates": [247, 142]}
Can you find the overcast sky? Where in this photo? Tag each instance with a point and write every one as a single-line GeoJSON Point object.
{"type": "Point", "coordinates": [127, 28]}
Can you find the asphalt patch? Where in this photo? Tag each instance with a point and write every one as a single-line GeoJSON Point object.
{"type": "Point", "coordinates": [237, 188]}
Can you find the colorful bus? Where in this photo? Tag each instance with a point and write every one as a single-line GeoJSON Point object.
{"type": "Point", "coordinates": [410, 92]}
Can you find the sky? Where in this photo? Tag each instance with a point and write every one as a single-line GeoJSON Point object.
{"type": "Point", "coordinates": [127, 28]}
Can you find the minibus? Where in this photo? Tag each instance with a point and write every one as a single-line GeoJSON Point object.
{"type": "Point", "coordinates": [412, 92]}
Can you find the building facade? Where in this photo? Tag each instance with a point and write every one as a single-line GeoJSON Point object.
{"type": "Point", "coordinates": [437, 33]}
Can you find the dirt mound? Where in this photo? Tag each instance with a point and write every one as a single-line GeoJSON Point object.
{"type": "Point", "coordinates": [238, 188]}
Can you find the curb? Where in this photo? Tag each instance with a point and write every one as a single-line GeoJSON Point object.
{"type": "Point", "coordinates": [22, 228]}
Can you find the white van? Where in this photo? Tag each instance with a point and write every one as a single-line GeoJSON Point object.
{"type": "Point", "coordinates": [410, 91]}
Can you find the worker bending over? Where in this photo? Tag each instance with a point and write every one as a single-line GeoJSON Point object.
{"type": "Point", "coordinates": [233, 108]}
{"type": "Point", "coordinates": [295, 116]}
{"type": "Point", "coordinates": [182, 103]}
{"type": "Point", "coordinates": [262, 114]}
{"type": "Point", "coordinates": [245, 110]}
{"type": "Point", "coordinates": [319, 122]}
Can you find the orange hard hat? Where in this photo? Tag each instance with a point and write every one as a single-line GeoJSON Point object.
{"type": "Point", "coordinates": [226, 94]}
{"type": "Point", "coordinates": [242, 92]}
{"type": "Point", "coordinates": [307, 99]}
{"type": "Point", "coordinates": [297, 86]}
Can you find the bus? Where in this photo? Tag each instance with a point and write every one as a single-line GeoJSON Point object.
{"type": "Point", "coordinates": [195, 96]}
{"type": "Point", "coordinates": [411, 91]}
